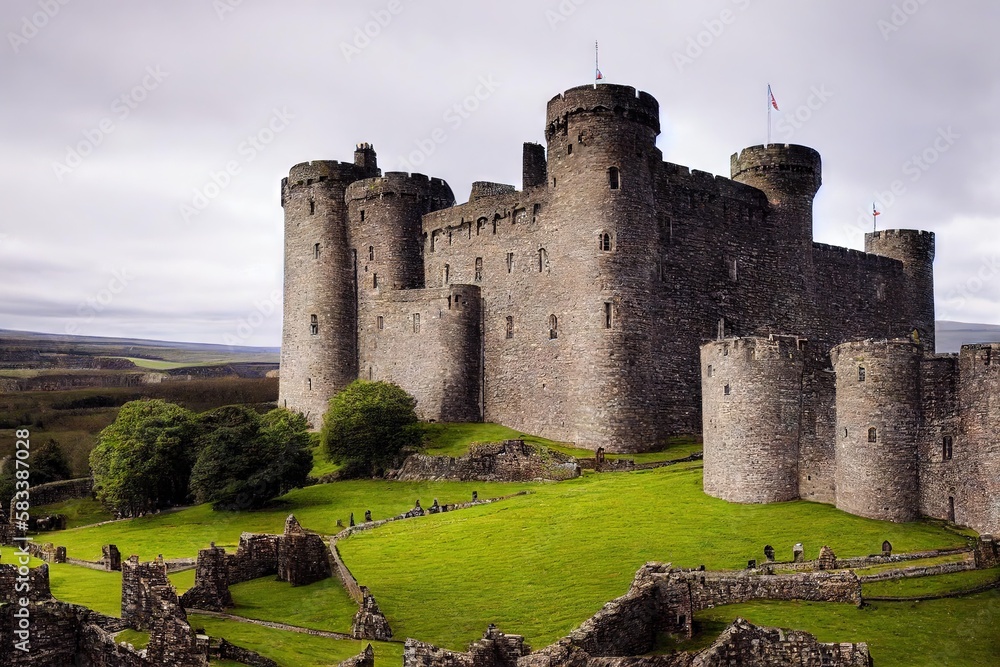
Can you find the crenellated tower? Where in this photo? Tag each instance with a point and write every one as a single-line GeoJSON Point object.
{"type": "Point", "coordinates": [318, 342]}
{"type": "Point", "coordinates": [915, 249]}
{"type": "Point", "coordinates": [602, 158]}
{"type": "Point", "coordinates": [878, 407]}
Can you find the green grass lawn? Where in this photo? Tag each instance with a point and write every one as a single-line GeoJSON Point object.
{"type": "Point", "coordinates": [324, 605]}
{"type": "Point", "coordinates": [922, 562]}
{"type": "Point", "coordinates": [953, 632]}
{"type": "Point", "coordinates": [79, 512]}
{"type": "Point", "coordinates": [138, 640]}
{"type": "Point", "coordinates": [936, 585]}
{"type": "Point", "coordinates": [539, 565]}
{"type": "Point", "coordinates": [181, 534]}
{"type": "Point", "coordinates": [101, 591]}
{"type": "Point", "coordinates": [292, 649]}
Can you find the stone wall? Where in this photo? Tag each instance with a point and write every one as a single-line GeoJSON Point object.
{"type": "Point", "coordinates": [256, 556]}
{"type": "Point", "coordinates": [57, 492]}
{"type": "Point", "coordinates": [303, 557]}
{"type": "Point", "coordinates": [745, 645]}
{"type": "Point", "coordinates": [211, 582]}
{"type": "Point", "coordinates": [507, 461]}
{"type": "Point", "coordinates": [139, 582]}
{"type": "Point", "coordinates": [370, 622]}
{"type": "Point", "coordinates": [495, 649]}
{"type": "Point", "coordinates": [977, 451]}
{"type": "Point", "coordinates": [13, 587]}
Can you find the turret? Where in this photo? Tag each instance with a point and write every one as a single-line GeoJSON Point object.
{"type": "Point", "coordinates": [790, 176]}
{"type": "Point", "coordinates": [366, 160]}
{"type": "Point", "coordinates": [915, 249]}
{"type": "Point", "coordinates": [318, 343]}
{"type": "Point", "coordinates": [751, 412]}
{"type": "Point", "coordinates": [878, 423]}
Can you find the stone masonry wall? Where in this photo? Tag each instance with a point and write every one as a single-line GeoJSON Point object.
{"type": "Point", "coordinates": [303, 557]}
{"type": "Point", "coordinates": [256, 556]}
{"type": "Point", "coordinates": [508, 461]}
{"type": "Point", "coordinates": [139, 580]}
{"type": "Point", "coordinates": [211, 582]}
{"type": "Point", "coordinates": [977, 451]}
{"type": "Point", "coordinates": [57, 492]}
{"type": "Point", "coordinates": [35, 588]}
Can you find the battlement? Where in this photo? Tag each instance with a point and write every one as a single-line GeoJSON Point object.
{"type": "Point", "coordinates": [624, 101]}
{"type": "Point", "coordinates": [778, 162]}
{"type": "Point", "coordinates": [759, 348]}
{"type": "Point", "coordinates": [902, 244]}
{"type": "Point", "coordinates": [401, 183]}
{"type": "Point", "coordinates": [481, 189]}
{"type": "Point", "coordinates": [874, 347]}
{"type": "Point", "coordinates": [307, 173]}
{"type": "Point", "coordinates": [721, 186]}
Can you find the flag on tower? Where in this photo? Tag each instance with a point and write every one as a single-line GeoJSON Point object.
{"type": "Point", "coordinates": [597, 65]}
{"type": "Point", "coordinates": [770, 96]}
{"type": "Point", "coordinates": [875, 211]}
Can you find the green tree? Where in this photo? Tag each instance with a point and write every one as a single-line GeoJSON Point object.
{"type": "Point", "coordinates": [368, 426]}
{"type": "Point", "coordinates": [143, 459]}
{"type": "Point", "coordinates": [246, 459]}
{"type": "Point", "coordinates": [49, 464]}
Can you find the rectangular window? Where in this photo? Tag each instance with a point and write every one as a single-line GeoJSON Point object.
{"type": "Point", "coordinates": [380, 323]}
{"type": "Point", "coordinates": [312, 207]}
{"type": "Point", "coordinates": [362, 215]}
{"type": "Point", "coordinates": [479, 269]}
{"type": "Point", "coordinates": [510, 327]}
{"type": "Point", "coordinates": [315, 251]}
{"type": "Point", "coordinates": [608, 315]}
{"type": "Point", "coordinates": [510, 262]}
{"type": "Point", "coordinates": [310, 381]}
{"type": "Point", "coordinates": [447, 273]}
{"type": "Point", "coordinates": [416, 322]}
{"type": "Point", "coordinates": [374, 280]}
{"type": "Point", "coordinates": [314, 324]}
{"type": "Point", "coordinates": [862, 373]}
{"type": "Point", "coordinates": [734, 270]}
{"type": "Point", "coordinates": [947, 448]}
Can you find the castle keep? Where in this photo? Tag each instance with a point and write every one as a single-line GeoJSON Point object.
{"type": "Point", "coordinates": [575, 307]}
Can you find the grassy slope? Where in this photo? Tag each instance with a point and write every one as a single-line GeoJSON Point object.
{"type": "Point", "coordinates": [541, 564]}
{"type": "Point", "coordinates": [324, 605]}
{"type": "Point", "coordinates": [183, 533]}
{"type": "Point", "coordinates": [920, 586]}
{"type": "Point", "coordinates": [78, 512]}
{"type": "Point", "coordinates": [952, 632]}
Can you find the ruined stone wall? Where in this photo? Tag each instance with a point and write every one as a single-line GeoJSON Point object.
{"type": "Point", "coordinates": [211, 582]}
{"type": "Point", "coordinates": [878, 423]}
{"type": "Point", "coordinates": [752, 392]}
{"type": "Point", "coordinates": [140, 584]}
{"type": "Point", "coordinates": [256, 556]}
{"type": "Point", "coordinates": [745, 645]}
{"type": "Point", "coordinates": [508, 461]}
{"type": "Point", "coordinates": [495, 649]}
{"type": "Point", "coordinates": [35, 588]}
{"type": "Point", "coordinates": [713, 589]}
{"type": "Point", "coordinates": [427, 341]}
{"type": "Point", "coordinates": [303, 557]}
{"type": "Point", "coordinates": [57, 492]}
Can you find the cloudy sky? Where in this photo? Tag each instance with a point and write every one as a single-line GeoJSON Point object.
{"type": "Point", "coordinates": [144, 141]}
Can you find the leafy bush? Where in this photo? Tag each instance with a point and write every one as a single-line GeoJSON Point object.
{"type": "Point", "coordinates": [368, 426]}
{"type": "Point", "coordinates": [247, 459]}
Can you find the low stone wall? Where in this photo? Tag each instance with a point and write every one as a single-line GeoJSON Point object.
{"type": "Point", "coordinates": [987, 552]}
{"type": "Point", "coordinates": [495, 649]}
{"type": "Point", "coordinates": [507, 461]}
{"type": "Point", "coordinates": [919, 571]}
{"type": "Point", "coordinates": [713, 589]}
{"type": "Point", "coordinates": [364, 659]}
{"type": "Point", "coordinates": [370, 622]}
{"type": "Point", "coordinates": [745, 645]}
{"type": "Point", "coordinates": [227, 651]}
{"type": "Point", "coordinates": [57, 492]}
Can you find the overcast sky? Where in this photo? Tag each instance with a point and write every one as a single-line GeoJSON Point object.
{"type": "Point", "coordinates": [144, 142]}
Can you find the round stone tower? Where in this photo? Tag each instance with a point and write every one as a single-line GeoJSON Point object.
{"type": "Point", "coordinates": [751, 406]}
{"type": "Point", "coordinates": [878, 421]}
{"type": "Point", "coordinates": [915, 249]}
{"type": "Point", "coordinates": [385, 227]}
{"type": "Point", "coordinates": [318, 340]}
{"type": "Point", "coordinates": [602, 158]}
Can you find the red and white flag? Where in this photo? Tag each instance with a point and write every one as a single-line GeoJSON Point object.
{"type": "Point", "coordinates": [875, 211]}
{"type": "Point", "coordinates": [770, 96]}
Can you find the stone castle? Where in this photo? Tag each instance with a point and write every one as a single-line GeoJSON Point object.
{"type": "Point", "coordinates": [575, 308]}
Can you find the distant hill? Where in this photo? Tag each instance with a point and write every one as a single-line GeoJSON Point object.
{"type": "Point", "coordinates": [953, 335]}
{"type": "Point", "coordinates": [167, 351]}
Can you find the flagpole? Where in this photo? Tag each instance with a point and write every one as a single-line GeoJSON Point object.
{"type": "Point", "coordinates": [768, 114]}
{"type": "Point", "coordinates": [597, 64]}
{"type": "Point", "coordinates": [874, 218]}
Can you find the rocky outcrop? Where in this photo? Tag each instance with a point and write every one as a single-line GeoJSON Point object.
{"type": "Point", "coordinates": [507, 461]}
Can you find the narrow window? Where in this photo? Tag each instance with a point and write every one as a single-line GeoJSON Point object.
{"type": "Point", "coordinates": [989, 356]}
{"type": "Point", "coordinates": [862, 374]}
{"type": "Point", "coordinates": [380, 323]}
{"type": "Point", "coordinates": [553, 182]}
{"type": "Point", "coordinates": [371, 373]}
{"type": "Point", "coordinates": [494, 225]}
{"type": "Point", "coordinates": [374, 280]}
{"type": "Point", "coordinates": [315, 251]}
{"type": "Point", "coordinates": [722, 334]}
{"type": "Point", "coordinates": [726, 390]}
{"type": "Point", "coordinates": [543, 259]}
{"type": "Point", "coordinates": [313, 324]}
{"type": "Point", "coordinates": [553, 327]}
{"type": "Point", "coordinates": [605, 242]}
{"type": "Point", "coordinates": [947, 448]}
{"type": "Point", "coordinates": [614, 178]}
{"type": "Point", "coordinates": [845, 432]}
{"type": "Point", "coordinates": [607, 315]}
{"type": "Point", "coordinates": [710, 370]}
{"type": "Point", "coordinates": [872, 435]}
{"type": "Point", "coordinates": [510, 262]}
{"type": "Point", "coordinates": [510, 326]}
{"type": "Point", "coordinates": [569, 149]}
{"type": "Point", "coordinates": [951, 508]}
{"type": "Point", "coordinates": [416, 322]}
{"type": "Point", "coordinates": [362, 215]}
{"type": "Point", "coordinates": [449, 238]}
{"type": "Point", "coordinates": [371, 253]}
{"type": "Point", "coordinates": [312, 207]}
{"type": "Point", "coordinates": [447, 273]}
{"type": "Point", "coordinates": [733, 270]}
{"type": "Point", "coordinates": [479, 269]}
{"type": "Point", "coordinates": [535, 210]}
{"type": "Point", "coordinates": [310, 381]}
